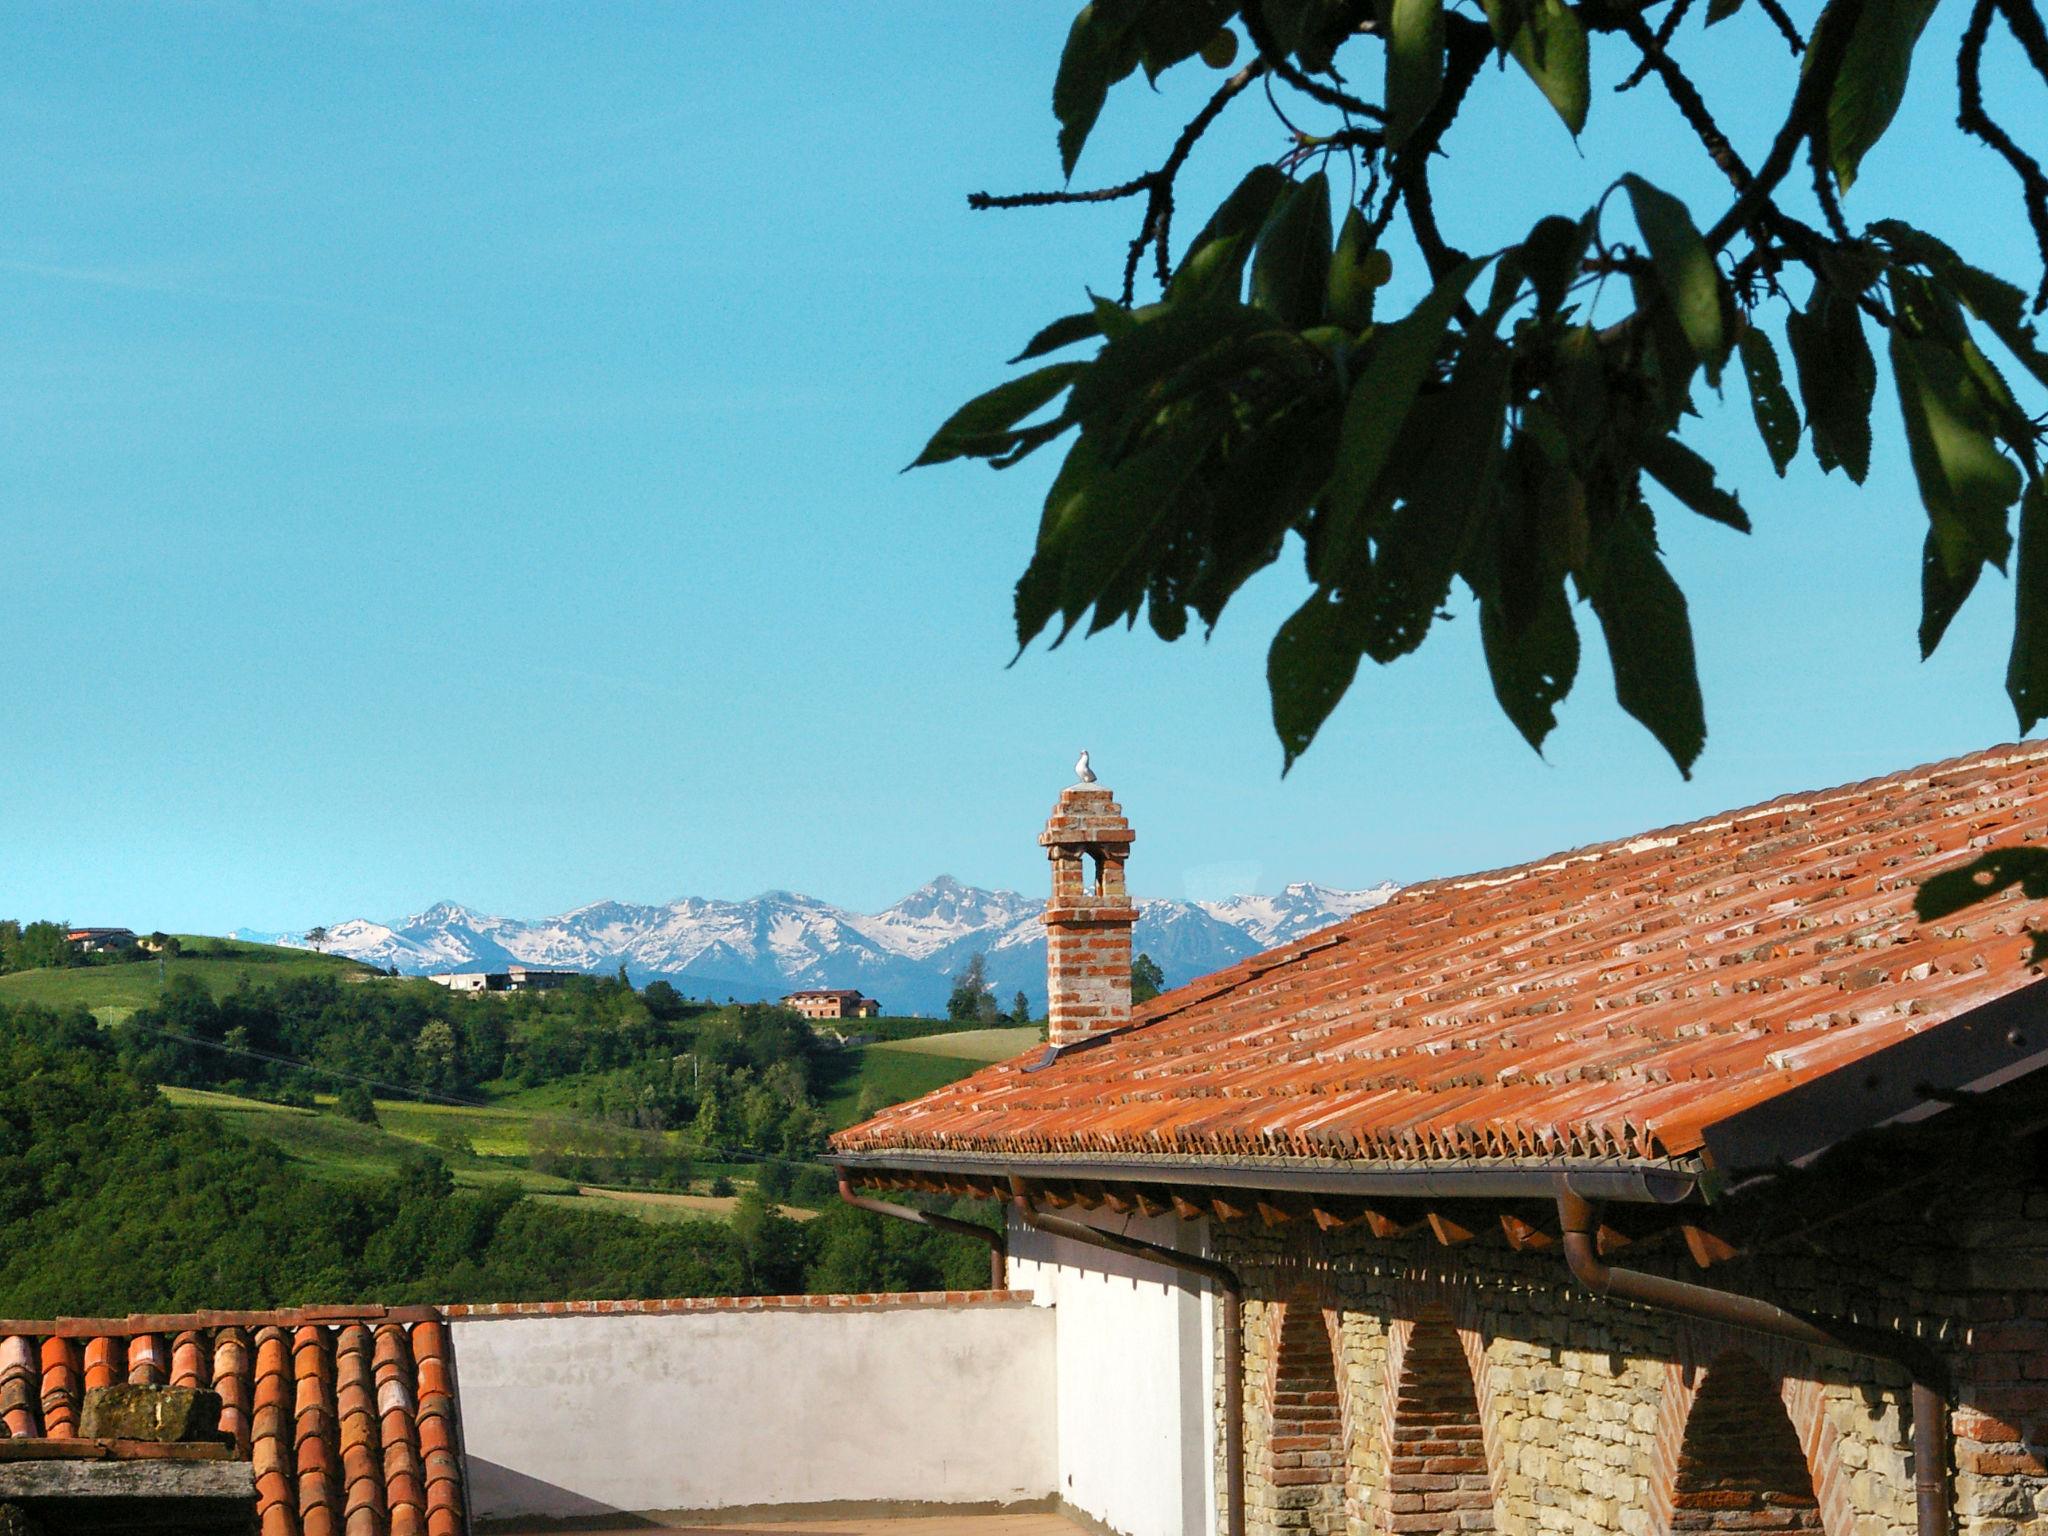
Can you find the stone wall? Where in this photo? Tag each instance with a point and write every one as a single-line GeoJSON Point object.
{"type": "Point", "coordinates": [1479, 1388]}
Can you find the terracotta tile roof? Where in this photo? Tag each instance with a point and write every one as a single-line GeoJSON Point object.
{"type": "Point", "coordinates": [348, 1419]}
{"type": "Point", "coordinates": [1615, 1002]}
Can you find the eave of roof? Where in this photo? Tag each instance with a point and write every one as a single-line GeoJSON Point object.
{"type": "Point", "coordinates": [1661, 1183]}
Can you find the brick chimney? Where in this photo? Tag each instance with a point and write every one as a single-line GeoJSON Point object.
{"type": "Point", "coordinates": [1088, 920]}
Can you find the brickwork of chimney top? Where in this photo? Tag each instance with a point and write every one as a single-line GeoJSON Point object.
{"type": "Point", "coordinates": [1089, 917]}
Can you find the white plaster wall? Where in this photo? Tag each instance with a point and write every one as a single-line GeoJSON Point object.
{"type": "Point", "coordinates": [1136, 1373]}
{"type": "Point", "coordinates": [567, 1417]}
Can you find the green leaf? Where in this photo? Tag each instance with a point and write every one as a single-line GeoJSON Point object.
{"type": "Point", "coordinates": [1038, 590]}
{"type": "Point", "coordinates": [1721, 10]}
{"type": "Point", "coordinates": [1942, 594]}
{"type": "Point", "coordinates": [1357, 273]}
{"type": "Point", "coordinates": [1446, 467]}
{"type": "Point", "coordinates": [1292, 266]}
{"type": "Point", "coordinates": [1400, 358]}
{"type": "Point", "coordinates": [1311, 30]}
{"type": "Point", "coordinates": [1516, 568]}
{"type": "Point", "coordinates": [1548, 41]}
{"type": "Point", "coordinates": [1312, 662]}
{"type": "Point", "coordinates": [1172, 30]}
{"type": "Point", "coordinates": [1415, 65]}
{"type": "Point", "coordinates": [1872, 81]}
{"type": "Point", "coordinates": [1837, 379]}
{"type": "Point", "coordinates": [1063, 332]}
{"type": "Point", "coordinates": [1266, 486]}
{"type": "Point", "coordinates": [1642, 613]}
{"type": "Point", "coordinates": [1777, 419]}
{"type": "Point", "coordinates": [1551, 255]}
{"type": "Point", "coordinates": [1998, 304]}
{"type": "Point", "coordinates": [1215, 257]}
{"type": "Point", "coordinates": [1691, 479]}
{"type": "Point", "coordinates": [1533, 662]}
{"type": "Point", "coordinates": [1096, 533]}
{"type": "Point", "coordinates": [1138, 371]}
{"type": "Point", "coordinates": [983, 427]}
{"type": "Point", "coordinates": [2026, 674]}
{"type": "Point", "coordinates": [1685, 270]}
{"type": "Point", "coordinates": [1966, 484]}
{"type": "Point", "coordinates": [1101, 49]}
{"type": "Point", "coordinates": [1952, 890]}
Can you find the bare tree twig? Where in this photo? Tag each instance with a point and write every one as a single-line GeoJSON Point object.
{"type": "Point", "coordinates": [1824, 181]}
{"type": "Point", "coordinates": [1978, 123]}
{"type": "Point", "coordinates": [1783, 22]}
{"type": "Point", "coordinates": [1156, 185]}
{"type": "Point", "coordinates": [1269, 50]}
{"type": "Point", "coordinates": [985, 200]}
{"type": "Point", "coordinates": [1666, 30]}
{"type": "Point", "coordinates": [2025, 24]}
{"type": "Point", "coordinates": [1686, 97]}
{"type": "Point", "coordinates": [1159, 209]}
{"type": "Point", "coordinates": [1826, 51]}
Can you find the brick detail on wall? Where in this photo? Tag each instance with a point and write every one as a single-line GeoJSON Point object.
{"type": "Point", "coordinates": [1740, 1466]}
{"type": "Point", "coordinates": [1304, 1441]}
{"type": "Point", "coordinates": [1436, 1465]}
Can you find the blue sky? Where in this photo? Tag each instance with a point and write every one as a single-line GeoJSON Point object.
{"type": "Point", "coordinates": [451, 451]}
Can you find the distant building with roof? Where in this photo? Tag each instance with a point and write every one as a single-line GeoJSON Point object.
{"type": "Point", "coordinates": [514, 978]}
{"type": "Point", "coordinates": [833, 1003]}
{"type": "Point", "coordinates": [101, 941]}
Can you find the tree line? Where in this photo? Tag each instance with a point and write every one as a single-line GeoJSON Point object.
{"type": "Point", "coordinates": [111, 1201]}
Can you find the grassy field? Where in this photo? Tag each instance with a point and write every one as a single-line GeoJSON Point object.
{"type": "Point", "coordinates": [976, 1046]}
{"type": "Point", "coordinates": [112, 992]}
{"type": "Point", "coordinates": [890, 1071]}
{"type": "Point", "coordinates": [332, 1147]}
{"type": "Point", "coordinates": [337, 1148]}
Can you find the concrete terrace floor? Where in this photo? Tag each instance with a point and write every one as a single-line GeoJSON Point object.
{"type": "Point", "coordinates": [1034, 1524]}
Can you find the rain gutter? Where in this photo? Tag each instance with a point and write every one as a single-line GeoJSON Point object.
{"type": "Point", "coordinates": [1228, 1288]}
{"type": "Point", "coordinates": [998, 1243]}
{"type": "Point", "coordinates": [1506, 1179]}
{"type": "Point", "coordinates": [1580, 1218]}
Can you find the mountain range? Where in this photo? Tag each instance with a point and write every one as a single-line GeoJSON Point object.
{"type": "Point", "coordinates": [905, 955]}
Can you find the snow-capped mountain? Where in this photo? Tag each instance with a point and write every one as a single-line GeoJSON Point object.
{"type": "Point", "coordinates": [906, 954]}
{"type": "Point", "coordinates": [1301, 908]}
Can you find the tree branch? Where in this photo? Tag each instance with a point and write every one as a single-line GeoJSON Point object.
{"type": "Point", "coordinates": [1276, 60]}
{"type": "Point", "coordinates": [1783, 23]}
{"type": "Point", "coordinates": [1666, 30]}
{"type": "Point", "coordinates": [1974, 120]}
{"type": "Point", "coordinates": [1830, 45]}
{"type": "Point", "coordinates": [1686, 97]}
{"type": "Point", "coordinates": [2025, 24]}
{"type": "Point", "coordinates": [1467, 46]}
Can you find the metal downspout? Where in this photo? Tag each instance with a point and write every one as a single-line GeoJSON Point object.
{"type": "Point", "coordinates": [1581, 1221]}
{"type": "Point", "coordinates": [998, 1243]}
{"type": "Point", "coordinates": [1228, 1287]}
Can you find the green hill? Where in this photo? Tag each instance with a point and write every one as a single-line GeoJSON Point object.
{"type": "Point", "coordinates": [890, 1071]}
{"type": "Point", "coordinates": [113, 991]}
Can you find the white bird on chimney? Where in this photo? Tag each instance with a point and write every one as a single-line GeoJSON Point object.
{"type": "Point", "coordinates": [1083, 774]}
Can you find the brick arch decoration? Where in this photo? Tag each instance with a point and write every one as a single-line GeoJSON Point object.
{"type": "Point", "coordinates": [1433, 1428]}
{"type": "Point", "coordinates": [1459, 1306]}
{"type": "Point", "coordinates": [1744, 1433]}
{"type": "Point", "coordinates": [1304, 1456]}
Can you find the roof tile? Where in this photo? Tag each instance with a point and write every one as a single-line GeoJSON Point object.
{"type": "Point", "coordinates": [321, 1402]}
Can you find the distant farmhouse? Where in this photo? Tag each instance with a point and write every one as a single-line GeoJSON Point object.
{"type": "Point", "coordinates": [101, 941]}
{"type": "Point", "coordinates": [514, 978]}
{"type": "Point", "coordinates": [833, 1003]}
